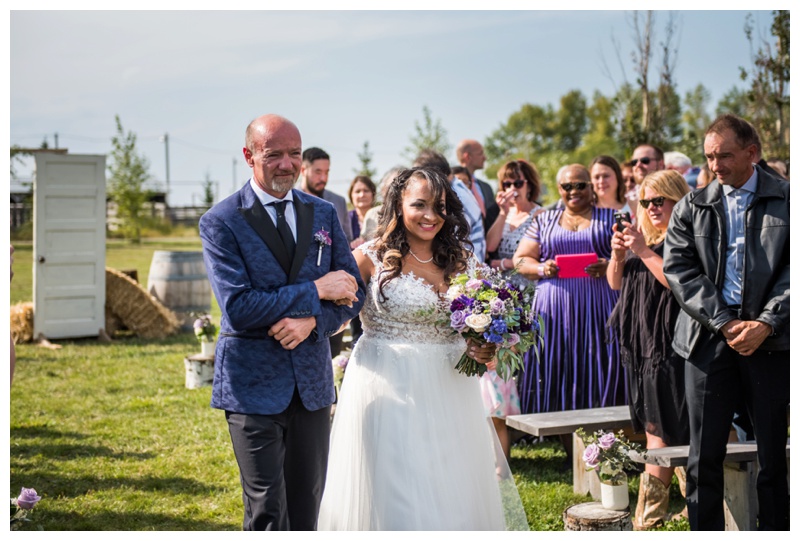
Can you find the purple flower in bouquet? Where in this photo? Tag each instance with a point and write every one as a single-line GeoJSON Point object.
{"type": "Point", "coordinates": [458, 304]}
{"type": "Point", "coordinates": [591, 456]}
{"type": "Point", "coordinates": [474, 284]}
{"type": "Point", "coordinates": [457, 320]}
{"type": "Point", "coordinates": [499, 326]}
{"type": "Point", "coordinates": [27, 498]}
{"type": "Point", "coordinates": [606, 441]}
{"type": "Point", "coordinates": [504, 294]}
{"type": "Point", "coordinates": [513, 339]}
{"type": "Point", "coordinates": [497, 306]}
{"type": "Point", "coordinates": [492, 337]}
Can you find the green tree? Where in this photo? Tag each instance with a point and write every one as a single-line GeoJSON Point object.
{"type": "Point", "coordinates": [643, 112]}
{"type": "Point", "coordinates": [695, 121]}
{"type": "Point", "coordinates": [734, 101]}
{"type": "Point", "coordinates": [208, 191]}
{"type": "Point", "coordinates": [128, 173]}
{"type": "Point", "coordinates": [601, 137]}
{"type": "Point", "coordinates": [365, 157]}
{"type": "Point", "coordinates": [570, 121]}
{"type": "Point", "coordinates": [430, 134]}
{"type": "Point", "coordinates": [768, 96]}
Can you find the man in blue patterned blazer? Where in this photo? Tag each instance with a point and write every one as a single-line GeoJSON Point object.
{"type": "Point", "coordinates": [285, 280]}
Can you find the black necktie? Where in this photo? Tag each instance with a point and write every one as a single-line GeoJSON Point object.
{"type": "Point", "coordinates": [283, 228]}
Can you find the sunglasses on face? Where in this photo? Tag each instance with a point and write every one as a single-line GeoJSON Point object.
{"type": "Point", "coordinates": [657, 202]}
{"type": "Point", "coordinates": [568, 186]}
{"type": "Point", "coordinates": [644, 161]}
{"type": "Point", "coordinates": [519, 183]}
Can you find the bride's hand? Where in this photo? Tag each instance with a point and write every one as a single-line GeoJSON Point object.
{"type": "Point", "coordinates": [482, 352]}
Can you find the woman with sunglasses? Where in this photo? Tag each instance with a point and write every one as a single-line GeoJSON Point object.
{"type": "Point", "coordinates": [573, 367]}
{"type": "Point", "coordinates": [519, 189]}
{"type": "Point", "coordinates": [643, 321]}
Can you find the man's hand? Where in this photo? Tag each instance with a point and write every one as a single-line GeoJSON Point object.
{"type": "Point", "coordinates": [748, 336]}
{"type": "Point", "coordinates": [726, 329]}
{"type": "Point", "coordinates": [337, 286]}
{"type": "Point", "coordinates": [290, 332]}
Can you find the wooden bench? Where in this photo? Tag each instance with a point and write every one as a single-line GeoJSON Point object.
{"type": "Point", "coordinates": [741, 502]}
{"type": "Point", "coordinates": [557, 423]}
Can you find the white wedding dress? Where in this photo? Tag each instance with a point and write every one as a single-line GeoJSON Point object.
{"type": "Point", "coordinates": [411, 446]}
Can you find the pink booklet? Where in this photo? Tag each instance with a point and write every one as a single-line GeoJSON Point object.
{"type": "Point", "coordinates": [572, 265]}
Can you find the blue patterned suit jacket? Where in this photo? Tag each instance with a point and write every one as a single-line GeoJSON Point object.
{"type": "Point", "coordinates": [257, 285]}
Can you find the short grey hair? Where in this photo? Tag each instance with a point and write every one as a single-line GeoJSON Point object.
{"type": "Point", "coordinates": [678, 160]}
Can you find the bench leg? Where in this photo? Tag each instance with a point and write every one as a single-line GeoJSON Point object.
{"type": "Point", "coordinates": [741, 501]}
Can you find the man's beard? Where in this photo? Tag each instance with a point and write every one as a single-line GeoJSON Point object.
{"type": "Point", "coordinates": [312, 191]}
{"type": "Point", "coordinates": [283, 185]}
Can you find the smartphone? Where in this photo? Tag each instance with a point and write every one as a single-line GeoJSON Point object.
{"type": "Point", "coordinates": [622, 217]}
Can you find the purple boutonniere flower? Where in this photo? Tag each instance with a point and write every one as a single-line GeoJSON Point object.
{"type": "Point", "coordinates": [323, 239]}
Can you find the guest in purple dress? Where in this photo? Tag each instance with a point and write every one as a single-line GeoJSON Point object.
{"type": "Point", "coordinates": [576, 368]}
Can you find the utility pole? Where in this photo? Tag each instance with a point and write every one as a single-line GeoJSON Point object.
{"type": "Point", "coordinates": [165, 139]}
{"type": "Point", "coordinates": [55, 136]}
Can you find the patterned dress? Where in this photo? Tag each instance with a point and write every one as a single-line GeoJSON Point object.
{"type": "Point", "coordinates": [500, 398]}
{"type": "Point", "coordinates": [573, 367]}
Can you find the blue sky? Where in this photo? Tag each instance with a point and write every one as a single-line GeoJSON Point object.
{"type": "Point", "coordinates": [343, 77]}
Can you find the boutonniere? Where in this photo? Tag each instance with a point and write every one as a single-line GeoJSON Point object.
{"type": "Point", "coordinates": [323, 239]}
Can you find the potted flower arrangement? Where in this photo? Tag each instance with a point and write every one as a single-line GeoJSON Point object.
{"type": "Point", "coordinates": [609, 455]}
{"type": "Point", "coordinates": [206, 332]}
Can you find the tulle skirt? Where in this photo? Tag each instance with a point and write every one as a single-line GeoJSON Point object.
{"type": "Point", "coordinates": [412, 448]}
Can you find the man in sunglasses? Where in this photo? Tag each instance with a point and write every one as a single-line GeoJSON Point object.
{"type": "Point", "coordinates": [726, 258]}
{"type": "Point", "coordinates": [646, 159]}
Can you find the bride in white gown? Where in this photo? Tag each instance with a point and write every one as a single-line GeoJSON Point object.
{"type": "Point", "coordinates": [411, 447]}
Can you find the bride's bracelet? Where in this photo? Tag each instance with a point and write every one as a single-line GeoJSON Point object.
{"type": "Point", "coordinates": [503, 264]}
{"type": "Point", "coordinates": [541, 271]}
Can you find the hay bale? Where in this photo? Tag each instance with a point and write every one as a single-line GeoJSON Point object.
{"type": "Point", "coordinates": [22, 322]}
{"type": "Point", "coordinates": [136, 308]}
{"type": "Point", "coordinates": [113, 322]}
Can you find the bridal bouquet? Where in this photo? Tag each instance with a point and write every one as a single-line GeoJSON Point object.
{"type": "Point", "coordinates": [486, 307]}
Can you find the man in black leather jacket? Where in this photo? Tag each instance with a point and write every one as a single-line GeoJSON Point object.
{"type": "Point", "coordinates": [726, 259]}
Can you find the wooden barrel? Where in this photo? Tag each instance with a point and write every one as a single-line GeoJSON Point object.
{"type": "Point", "coordinates": [180, 282]}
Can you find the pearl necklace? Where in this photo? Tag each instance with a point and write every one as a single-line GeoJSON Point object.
{"type": "Point", "coordinates": [418, 259]}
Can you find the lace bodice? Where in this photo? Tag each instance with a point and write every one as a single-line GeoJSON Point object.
{"type": "Point", "coordinates": [411, 312]}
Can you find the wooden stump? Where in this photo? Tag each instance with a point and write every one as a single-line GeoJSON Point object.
{"type": "Point", "coordinates": [592, 516]}
{"type": "Point", "coordinates": [199, 371]}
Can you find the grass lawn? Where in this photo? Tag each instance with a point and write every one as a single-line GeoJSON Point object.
{"type": "Point", "coordinates": [112, 440]}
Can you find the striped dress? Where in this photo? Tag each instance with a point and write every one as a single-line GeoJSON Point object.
{"type": "Point", "coordinates": [576, 368]}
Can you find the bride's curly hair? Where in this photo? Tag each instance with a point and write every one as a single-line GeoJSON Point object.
{"type": "Point", "coordinates": [451, 244]}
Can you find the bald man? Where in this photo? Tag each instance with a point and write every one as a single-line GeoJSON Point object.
{"type": "Point", "coordinates": [471, 156]}
{"type": "Point", "coordinates": [282, 296]}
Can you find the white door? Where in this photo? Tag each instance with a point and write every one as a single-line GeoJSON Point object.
{"type": "Point", "coordinates": [69, 245]}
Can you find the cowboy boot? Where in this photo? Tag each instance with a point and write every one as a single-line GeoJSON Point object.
{"type": "Point", "coordinates": [680, 473]}
{"type": "Point", "coordinates": [651, 509]}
